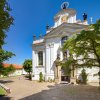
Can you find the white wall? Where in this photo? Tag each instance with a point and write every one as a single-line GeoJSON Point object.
{"type": "Point", "coordinates": [90, 72]}
{"type": "Point", "coordinates": [36, 68]}
{"type": "Point", "coordinates": [52, 46]}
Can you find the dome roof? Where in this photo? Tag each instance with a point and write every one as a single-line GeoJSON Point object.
{"type": "Point", "coordinates": [67, 10]}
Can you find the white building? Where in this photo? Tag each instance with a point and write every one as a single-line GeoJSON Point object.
{"type": "Point", "coordinates": [45, 50]}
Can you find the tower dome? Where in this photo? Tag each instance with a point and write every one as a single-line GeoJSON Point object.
{"type": "Point", "coordinates": [65, 15]}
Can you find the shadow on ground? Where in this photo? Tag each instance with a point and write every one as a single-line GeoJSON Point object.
{"type": "Point", "coordinates": [66, 92]}
{"type": "Point", "coordinates": [6, 81]}
{"type": "Point", "coordinates": [4, 98]}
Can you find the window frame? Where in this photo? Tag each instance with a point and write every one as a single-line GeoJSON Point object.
{"type": "Point", "coordinates": [40, 58]}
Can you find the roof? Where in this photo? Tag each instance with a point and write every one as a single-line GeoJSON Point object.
{"type": "Point", "coordinates": [64, 29]}
{"type": "Point", "coordinates": [14, 65]}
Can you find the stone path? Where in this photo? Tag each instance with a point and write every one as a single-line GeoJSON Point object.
{"type": "Point", "coordinates": [22, 89]}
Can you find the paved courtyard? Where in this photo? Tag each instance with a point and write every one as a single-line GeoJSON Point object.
{"type": "Point", "coordinates": [23, 89]}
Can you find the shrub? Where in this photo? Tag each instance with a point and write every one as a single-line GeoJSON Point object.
{"type": "Point", "coordinates": [84, 76]}
{"type": "Point", "coordinates": [40, 77]}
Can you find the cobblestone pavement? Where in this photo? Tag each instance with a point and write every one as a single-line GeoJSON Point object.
{"type": "Point", "coordinates": [23, 89]}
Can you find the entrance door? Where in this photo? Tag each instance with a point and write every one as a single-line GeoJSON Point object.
{"type": "Point", "coordinates": [64, 77]}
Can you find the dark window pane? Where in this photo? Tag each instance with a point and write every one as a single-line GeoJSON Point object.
{"type": "Point", "coordinates": [40, 58]}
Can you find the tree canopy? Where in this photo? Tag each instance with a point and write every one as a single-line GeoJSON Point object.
{"type": "Point", "coordinates": [5, 55]}
{"type": "Point", "coordinates": [28, 66]}
{"type": "Point", "coordinates": [5, 21]}
{"type": "Point", "coordinates": [84, 48]}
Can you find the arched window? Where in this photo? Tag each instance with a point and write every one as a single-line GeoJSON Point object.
{"type": "Point", "coordinates": [63, 40]}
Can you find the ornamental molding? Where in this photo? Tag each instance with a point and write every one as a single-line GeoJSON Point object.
{"type": "Point", "coordinates": [50, 45]}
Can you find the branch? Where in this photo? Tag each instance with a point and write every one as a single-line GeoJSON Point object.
{"type": "Point", "coordinates": [86, 65]}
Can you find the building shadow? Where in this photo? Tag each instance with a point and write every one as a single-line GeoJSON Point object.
{"type": "Point", "coordinates": [4, 97]}
{"type": "Point", "coordinates": [66, 92]}
{"type": "Point", "coordinates": [43, 95]}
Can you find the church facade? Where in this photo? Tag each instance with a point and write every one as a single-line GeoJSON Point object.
{"type": "Point", "coordinates": [45, 50]}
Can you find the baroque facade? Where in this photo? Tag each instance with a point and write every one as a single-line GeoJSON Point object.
{"type": "Point", "coordinates": [46, 49]}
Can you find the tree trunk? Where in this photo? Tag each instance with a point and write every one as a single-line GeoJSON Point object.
{"type": "Point", "coordinates": [29, 75]}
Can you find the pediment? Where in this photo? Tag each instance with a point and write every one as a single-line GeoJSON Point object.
{"type": "Point", "coordinates": [66, 29]}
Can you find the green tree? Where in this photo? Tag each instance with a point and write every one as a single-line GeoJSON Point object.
{"type": "Point", "coordinates": [66, 70]}
{"type": "Point", "coordinates": [84, 48]}
{"type": "Point", "coordinates": [5, 55]}
{"type": "Point", "coordinates": [27, 65]}
{"type": "Point", "coordinates": [5, 21]}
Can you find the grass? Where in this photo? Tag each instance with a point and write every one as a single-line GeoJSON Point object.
{"type": "Point", "coordinates": [2, 91]}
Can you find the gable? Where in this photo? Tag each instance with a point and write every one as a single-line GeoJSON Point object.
{"type": "Point", "coordinates": [65, 29]}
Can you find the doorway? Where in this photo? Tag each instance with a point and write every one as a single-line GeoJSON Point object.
{"type": "Point", "coordinates": [64, 76]}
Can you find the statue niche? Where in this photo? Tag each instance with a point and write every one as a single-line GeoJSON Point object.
{"type": "Point", "coordinates": [64, 18]}
{"type": "Point", "coordinates": [57, 69]}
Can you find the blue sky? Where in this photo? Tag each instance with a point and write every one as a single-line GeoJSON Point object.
{"type": "Point", "coordinates": [31, 18]}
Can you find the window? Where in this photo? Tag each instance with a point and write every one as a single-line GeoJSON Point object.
{"type": "Point", "coordinates": [63, 40]}
{"type": "Point", "coordinates": [40, 58]}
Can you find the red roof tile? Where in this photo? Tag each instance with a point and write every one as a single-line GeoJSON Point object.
{"type": "Point", "coordinates": [14, 65]}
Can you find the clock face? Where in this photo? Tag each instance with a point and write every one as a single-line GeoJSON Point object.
{"type": "Point", "coordinates": [64, 19]}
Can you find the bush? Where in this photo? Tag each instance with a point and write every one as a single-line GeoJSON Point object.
{"type": "Point", "coordinates": [84, 76]}
{"type": "Point", "coordinates": [40, 77]}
